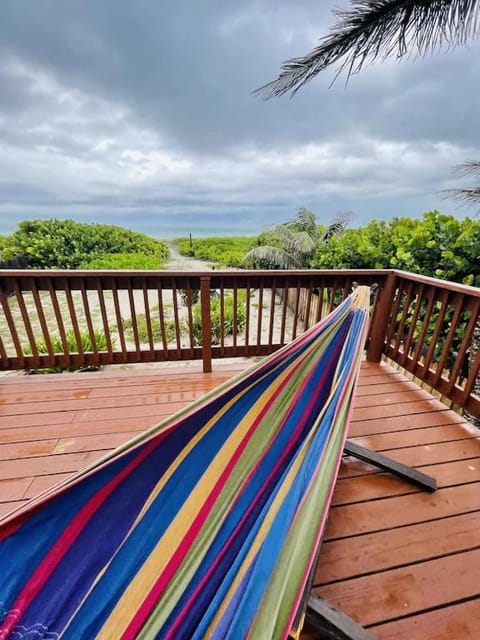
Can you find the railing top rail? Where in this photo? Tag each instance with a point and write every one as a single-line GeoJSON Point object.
{"type": "Point", "coordinates": [77, 273]}
{"type": "Point", "coordinates": [436, 282]}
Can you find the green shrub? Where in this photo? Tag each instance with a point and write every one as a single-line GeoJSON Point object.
{"type": "Point", "coordinates": [57, 345]}
{"type": "Point", "coordinates": [142, 329]}
{"type": "Point", "coordinates": [215, 317]}
{"type": "Point", "coordinates": [66, 244]}
{"type": "Point", "coordinates": [223, 252]}
{"type": "Point", "coordinates": [130, 261]}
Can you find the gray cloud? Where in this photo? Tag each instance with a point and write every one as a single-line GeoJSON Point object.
{"type": "Point", "coordinates": [144, 108]}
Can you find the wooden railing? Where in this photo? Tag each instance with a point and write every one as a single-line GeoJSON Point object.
{"type": "Point", "coordinates": [74, 319]}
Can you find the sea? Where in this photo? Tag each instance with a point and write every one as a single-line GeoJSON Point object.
{"type": "Point", "coordinates": [164, 226]}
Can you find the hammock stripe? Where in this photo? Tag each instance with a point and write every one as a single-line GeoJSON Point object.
{"type": "Point", "coordinates": [204, 526]}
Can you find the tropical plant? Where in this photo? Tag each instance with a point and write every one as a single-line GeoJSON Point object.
{"type": "Point", "coordinates": [291, 245]}
{"type": "Point", "coordinates": [220, 325]}
{"type": "Point", "coordinates": [373, 29]}
{"type": "Point", "coordinates": [71, 339]}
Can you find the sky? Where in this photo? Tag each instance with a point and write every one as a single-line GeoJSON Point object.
{"type": "Point", "coordinates": [140, 113]}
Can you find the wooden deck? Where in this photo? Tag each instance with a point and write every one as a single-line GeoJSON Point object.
{"type": "Point", "coordinates": [404, 563]}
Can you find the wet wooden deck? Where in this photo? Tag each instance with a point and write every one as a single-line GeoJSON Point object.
{"type": "Point", "coordinates": [404, 563]}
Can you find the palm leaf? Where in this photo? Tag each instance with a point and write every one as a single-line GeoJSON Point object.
{"type": "Point", "coordinates": [273, 255]}
{"type": "Point", "coordinates": [469, 195]}
{"type": "Point", "coordinates": [374, 29]}
{"type": "Point", "coordinates": [304, 220]}
{"type": "Point", "coordinates": [338, 224]}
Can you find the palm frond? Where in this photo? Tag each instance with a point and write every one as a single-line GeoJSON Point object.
{"type": "Point", "coordinates": [304, 220]}
{"type": "Point", "coordinates": [337, 226]}
{"type": "Point", "coordinates": [374, 29]}
{"type": "Point", "coordinates": [467, 195]}
{"type": "Point", "coordinates": [276, 257]}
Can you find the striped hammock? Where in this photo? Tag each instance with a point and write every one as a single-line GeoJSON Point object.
{"type": "Point", "coordinates": [206, 525]}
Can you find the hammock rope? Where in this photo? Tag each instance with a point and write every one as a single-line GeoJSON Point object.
{"type": "Point", "coordinates": [204, 526]}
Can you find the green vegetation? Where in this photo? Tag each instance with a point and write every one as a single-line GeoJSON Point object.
{"type": "Point", "coordinates": [291, 245]}
{"type": "Point", "coordinates": [436, 245]}
{"type": "Point", "coordinates": [57, 346]}
{"type": "Point", "coordinates": [142, 328]}
{"type": "Point", "coordinates": [122, 261]}
{"type": "Point", "coordinates": [222, 252]}
{"type": "Point", "coordinates": [215, 317]}
{"type": "Point", "coordinates": [66, 244]}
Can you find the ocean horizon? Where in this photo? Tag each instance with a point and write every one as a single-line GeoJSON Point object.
{"type": "Point", "coordinates": [165, 227]}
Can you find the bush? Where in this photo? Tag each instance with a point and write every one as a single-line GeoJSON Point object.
{"type": "Point", "coordinates": [57, 345]}
{"type": "Point", "coordinates": [66, 244]}
{"type": "Point", "coordinates": [142, 328]}
{"type": "Point", "coordinates": [130, 261]}
{"type": "Point", "coordinates": [215, 317]}
{"type": "Point", "coordinates": [223, 252]}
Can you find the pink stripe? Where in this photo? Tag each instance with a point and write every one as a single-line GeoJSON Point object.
{"type": "Point", "coordinates": [61, 546]}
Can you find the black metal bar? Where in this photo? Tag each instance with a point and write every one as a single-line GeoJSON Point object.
{"type": "Point", "coordinates": [332, 623]}
{"type": "Point", "coordinates": [403, 471]}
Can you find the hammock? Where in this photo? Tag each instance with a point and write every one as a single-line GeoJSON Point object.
{"type": "Point", "coordinates": [205, 526]}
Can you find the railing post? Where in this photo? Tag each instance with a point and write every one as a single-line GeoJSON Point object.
{"type": "Point", "coordinates": [380, 319]}
{"type": "Point", "coordinates": [206, 323]}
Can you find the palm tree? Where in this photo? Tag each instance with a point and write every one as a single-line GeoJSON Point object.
{"type": "Point", "coordinates": [293, 242]}
{"type": "Point", "coordinates": [373, 29]}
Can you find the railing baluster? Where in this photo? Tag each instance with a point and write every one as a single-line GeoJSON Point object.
{"type": "Point", "coordinates": [235, 315]}
{"type": "Point", "coordinates": [60, 323]}
{"type": "Point", "coordinates": [161, 317]}
{"type": "Point", "coordinates": [283, 326]}
{"type": "Point", "coordinates": [119, 319]}
{"type": "Point", "coordinates": [247, 313]}
{"type": "Point", "coordinates": [190, 318]}
{"type": "Point", "coordinates": [12, 328]}
{"type": "Point", "coordinates": [308, 306]}
{"type": "Point", "coordinates": [222, 317]}
{"type": "Point", "coordinates": [106, 326]}
{"type": "Point", "coordinates": [403, 359]}
{"type": "Point", "coordinates": [35, 361]}
{"type": "Point", "coordinates": [206, 326]}
{"type": "Point", "coordinates": [73, 317]}
{"type": "Point", "coordinates": [443, 300]}
{"type": "Point", "coordinates": [295, 313]}
{"type": "Point", "coordinates": [462, 352]}
{"type": "Point", "coordinates": [148, 322]}
{"type": "Point", "coordinates": [133, 316]}
{"type": "Point", "coordinates": [176, 321]}
{"type": "Point", "coordinates": [273, 293]}
{"type": "Point", "coordinates": [457, 302]}
{"type": "Point", "coordinates": [50, 359]}
{"type": "Point", "coordinates": [88, 317]}
{"type": "Point", "coordinates": [260, 313]}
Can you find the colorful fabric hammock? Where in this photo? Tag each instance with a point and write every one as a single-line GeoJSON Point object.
{"type": "Point", "coordinates": [206, 525]}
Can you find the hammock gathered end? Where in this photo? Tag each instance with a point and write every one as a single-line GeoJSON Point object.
{"type": "Point", "coordinates": [206, 525]}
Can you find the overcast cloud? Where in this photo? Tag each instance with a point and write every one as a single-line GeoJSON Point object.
{"type": "Point", "coordinates": [138, 112]}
